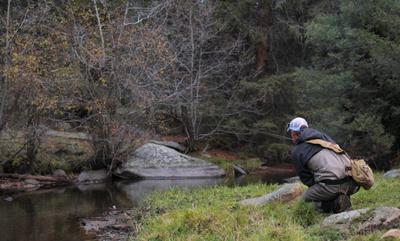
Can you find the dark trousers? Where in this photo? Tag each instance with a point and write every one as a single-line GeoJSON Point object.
{"type": "Point", "coordinates": [323, 193]}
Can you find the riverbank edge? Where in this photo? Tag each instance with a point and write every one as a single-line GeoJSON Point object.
{"type": "Point", "coordinates": [139, 215]}
{"type": "Point", "coordinates": [14, 182]}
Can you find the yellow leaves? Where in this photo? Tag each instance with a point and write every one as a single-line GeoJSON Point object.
{"type": "Point", "coordinates": [11, 72]}
{"type": "Point", "coordinates": [86, 15]}
{"type": "Point", "coordinates": [65, 72]}
{"type": "Point", "coordinates": [42, 103]}
{"type": "Point", "coordinates": [103, 81]}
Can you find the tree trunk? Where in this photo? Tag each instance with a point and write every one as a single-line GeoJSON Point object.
{"type": "Point", "coordinates": [262, 55]}
{"type": "Point", "coordinates": [189, 129]}
{"type": "Point", "coordinates": [38, 178]}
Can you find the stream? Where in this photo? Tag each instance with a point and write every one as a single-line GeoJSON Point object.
{"type": "Point", "coordinates": [55, 214]}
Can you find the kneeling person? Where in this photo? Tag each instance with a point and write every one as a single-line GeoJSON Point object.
{"type": "Point", "coordinates": [321, 169]}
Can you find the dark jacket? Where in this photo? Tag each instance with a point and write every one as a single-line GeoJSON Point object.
{"type": "Point", "coordinates": [302, 153]}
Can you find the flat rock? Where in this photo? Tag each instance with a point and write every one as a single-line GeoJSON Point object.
{"type": "Point", "coordinates": [92, 176]}
{"type": "Point", "coordinates": [344, 217]}
{"type": "Point", "coordinates": [381, 218]}
{"type": "Point", "coordinates": [153, 161]}
{"type": "Point", "coordinates": [391, 234]}
{"type": "Point", "coordinates": [395, 173]}
{"type": "Point", "coordinates": [170, 144]}
{"type": "Point", "coordinates": [285, 193]}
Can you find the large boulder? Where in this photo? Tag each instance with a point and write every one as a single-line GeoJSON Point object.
{"type": "Point", "coordinates": [285, 193]}
{"type": "Point", "coordinates": [153, 161]}
{"type": "Point", "coordinates": [55, 149]}
{"type": "Point", "coordinates": [381, 218]}
{"type": "Point", "coordinates": [170, 144]}
{"type": "Point", "coordinates": [365, 220]}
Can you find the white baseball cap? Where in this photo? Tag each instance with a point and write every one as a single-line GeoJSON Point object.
{"type": "Point", "coordinates": [296, 124]}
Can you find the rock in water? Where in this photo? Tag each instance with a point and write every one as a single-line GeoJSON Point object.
{"type": "Point", "coordinates": [285, 193]}
{"type": "Point", "coordinates": [113, 225]}
{"type": "Point", "coordinates": [92, 177]}
{"type": "Point", "coordinates": [153, 161]}
{"type": "Point", "coordinates": [395, 173]}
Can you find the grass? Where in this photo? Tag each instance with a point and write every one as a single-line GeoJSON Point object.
{"type": "Point", "coordinates": [247, 164]}
{"type": "Point", "coordinates": [215, 214]}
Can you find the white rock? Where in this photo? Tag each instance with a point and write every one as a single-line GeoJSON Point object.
{"type": "Point", "coordinates": [285, 193]}
{"type": "Point", "coordinates": [395, 173]}
{"type": "Point", "coordinates": [153, 161]}
{"type": "Point", "coordinates": [344, 217]}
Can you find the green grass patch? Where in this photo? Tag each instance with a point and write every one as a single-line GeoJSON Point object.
{"type": "Point", "coordinates": [385, 192]}
{"type": "Point", "coordinates": [215, 214]}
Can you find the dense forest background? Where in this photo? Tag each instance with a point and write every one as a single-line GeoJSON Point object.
{"type": "Point", "coordinates": [226, 74]}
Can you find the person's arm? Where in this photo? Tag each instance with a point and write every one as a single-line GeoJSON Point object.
{"type": "Point", "coordinates": [306, 177]}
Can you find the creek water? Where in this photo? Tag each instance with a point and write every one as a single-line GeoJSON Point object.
{"type": "Point", "coordinates": [55, 214]}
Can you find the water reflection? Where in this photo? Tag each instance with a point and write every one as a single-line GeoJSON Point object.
{"type": "Point", "coordinates": [277, 178]}
{"type": "Point", "coordinates": [54, 214]}
{"type": "Point", "coordinates": [49, 215]}
{"type": "Point", "coordinates": [138, 191]}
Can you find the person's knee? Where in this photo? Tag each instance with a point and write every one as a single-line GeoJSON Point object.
{"type": "Point", "coordinates": [306, 197]}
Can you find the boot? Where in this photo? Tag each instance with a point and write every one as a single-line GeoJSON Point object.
{"type": "Point", "coordinates": [341, 203]}
{"type": "Point", "coordinates": [327, 206]}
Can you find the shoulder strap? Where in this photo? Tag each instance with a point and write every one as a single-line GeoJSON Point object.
{"type": "Point", "coordinates": [328, 145]}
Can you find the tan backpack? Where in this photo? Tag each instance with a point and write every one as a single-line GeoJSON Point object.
{"type": "Point", "coordinates": [359, 170]}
